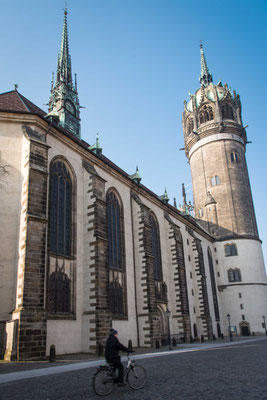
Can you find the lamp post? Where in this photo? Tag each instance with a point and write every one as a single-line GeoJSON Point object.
{"type": "Point", "coordinates": [168, 315]}
{"type": "Point", "coordinates": [229, 326]}
{"type": "Point", "coordinates": [264, 323]}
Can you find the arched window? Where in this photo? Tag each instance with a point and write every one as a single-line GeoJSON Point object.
{"type": "Point", "coordinates": [213, 285]}
{"type": "Point", "coordinates": [156, 253]}
{"type": "Point", "coordinates": [234, 275]}
{"type": "Point", "coordinates": [205, 114]}
{"type": "Point", "coordinates": [230, 249]}
{"type": "Point", "coordinates": [60, 239]}
{"type": "Point", "coordinates": [227, 111]}
{"type": "Point", "coordinates": [190, 125]}
{"type": "Point", "coordinates": [116, 255]}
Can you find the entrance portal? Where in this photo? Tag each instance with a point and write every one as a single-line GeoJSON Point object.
{"type": "Point", "coordinates": [244, 328]}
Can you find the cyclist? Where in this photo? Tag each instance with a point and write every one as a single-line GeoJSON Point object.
{"type": "Point", "coordinates": [113, 346]}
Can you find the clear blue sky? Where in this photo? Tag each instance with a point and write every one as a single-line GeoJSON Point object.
{"type": "Point", "coordinates": [136, 61]}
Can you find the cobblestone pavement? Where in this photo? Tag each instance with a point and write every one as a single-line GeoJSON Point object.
{"type": "Point", "coordinates": [230, 372]}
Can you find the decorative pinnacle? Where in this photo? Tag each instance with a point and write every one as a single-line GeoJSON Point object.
{"type": "Point", "coordinates": [64, 60]}
{"type": "Point", "coordinates": [205, 76]}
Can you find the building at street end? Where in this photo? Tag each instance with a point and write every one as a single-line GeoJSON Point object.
{"type": "Point", "coordinates": [84, 246]}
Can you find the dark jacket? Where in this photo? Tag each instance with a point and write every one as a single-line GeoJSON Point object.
{"type": "Point", "coordinates": [113, 346]}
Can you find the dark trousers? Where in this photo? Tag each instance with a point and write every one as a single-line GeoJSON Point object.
{"type": "Point", "coordinates": [118, 366]}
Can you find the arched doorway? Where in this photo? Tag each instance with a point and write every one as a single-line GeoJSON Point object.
{"type": "Point", "coordinates": [244, 328]}
{"type": "Point", "coordinates": [219, 330]}
{"type": "Point", "coordinates": [163, 326]}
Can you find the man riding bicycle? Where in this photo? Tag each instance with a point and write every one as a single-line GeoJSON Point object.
{"type": "Point", "coordinates": [113, 346]}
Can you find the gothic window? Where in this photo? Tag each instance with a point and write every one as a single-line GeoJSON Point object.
{"type": "Point", "coordinates": [70, 107]}
{"type": "Point", "coordinates": [234, 275]}
{"type": "Point", "coordinates": [215, 180]}
{"type": "Point", "coordinates": [60, 210]}
{"type": "Point", "coordinates": [227, 111]}
{"type": "Point", "coordinates": [213, 286]}
{"type": "Point", "coordinates": [205, 114]}
{"type": "Point", "coordinates": [116, 258]}
{"type": "Point", "coordinates": [230, 250]}
{"type": "Point", "coordinates": [200, 212]}
{"type": "Point", "coordinates": [155, 242]}
{"type": "Point", "coordinates": [190, 125]}
{"type": "Point", "coordinates": [60, 240]}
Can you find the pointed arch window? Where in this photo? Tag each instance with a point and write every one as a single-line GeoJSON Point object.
{"type": "Point", "coordinates": [190, 125]}
{"type": "Point", "coordinates": [213, 286]}
{"type": "Point", "coordinates": [155, 247]}
{"type": "Point", "coordinates": [61, 239]}
{"type": "Point", "coordinates": [206, 114]}
{"type": "Point", "coordinates": [116, 255]}
{"type": "Point", "coordinates": [227, 111]}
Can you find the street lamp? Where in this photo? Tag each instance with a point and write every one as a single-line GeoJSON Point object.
{"type": "Point", "coordinates": [168, 315]}
{"type": "Point", "coordinates": [229, 326]}
{"type": "Point", "coordinates": [264, 323]}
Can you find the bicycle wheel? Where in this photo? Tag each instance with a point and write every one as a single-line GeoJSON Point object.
{"type": "Point", "coordinates": [136, 377]}
{"type": "Point", "coordinates": [103, 382]}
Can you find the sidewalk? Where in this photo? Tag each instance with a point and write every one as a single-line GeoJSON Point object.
{"type": "Point", "coordinates": [88, 359]}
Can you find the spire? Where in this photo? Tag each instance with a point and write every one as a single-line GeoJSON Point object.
{"type": "Point", "coordinates": [64, 60]}
{"type": "Point", "coordinates": [205, 76]}
{"type": "Point", "coordinates": [64, 102]}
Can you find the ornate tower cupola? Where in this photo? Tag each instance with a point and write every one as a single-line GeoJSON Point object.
{"type": "Point", "coordinates": [64, 103]}
{"type": "Point", "coordinates": [215, 144]}
{"type": "Point", "coordinates": [205, 76]}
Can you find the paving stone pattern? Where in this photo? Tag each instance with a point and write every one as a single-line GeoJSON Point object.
{"type": "Point", "coordinates": [236, 372]}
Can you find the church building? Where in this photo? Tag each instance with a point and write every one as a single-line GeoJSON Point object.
{"type": "Point", "coordinates": [84, 246]}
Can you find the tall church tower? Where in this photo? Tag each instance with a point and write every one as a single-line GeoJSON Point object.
{"type": "Point", "coordinates": [64, 103]}
{"type": "Point", "coordinates": [215, 145]}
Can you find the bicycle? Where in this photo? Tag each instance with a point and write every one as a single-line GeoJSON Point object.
{"type": "Point", "coordinates": [105, 377]}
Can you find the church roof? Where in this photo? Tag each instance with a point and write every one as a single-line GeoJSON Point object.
{"type": "Point", "coordinates": [14, 101]}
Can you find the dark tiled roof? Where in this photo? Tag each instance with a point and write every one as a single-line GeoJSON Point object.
{"type": "Point", "coordinates": [14, 101]}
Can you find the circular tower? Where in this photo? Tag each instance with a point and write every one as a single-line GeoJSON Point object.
{"type": "Point", "coordinates": [215, 145]}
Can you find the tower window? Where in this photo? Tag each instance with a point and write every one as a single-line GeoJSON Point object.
{"type": "Point", "coordinates": [240, 295]}
{"type": "Point", "coordinates": [200, 212]}
{"type": "Point", "coordinates": [234, 275]}
{"type": "Point", "coordinates": [227, 111]}
{"type": "Point", "coordinates": [215, 180]}
{"type": "Point", "coordinates": [230, 250]}
{"type": "Point", "coordinates": [234, 158]}
{"type": "Point", "coordinates": [206, 114]}
{"type": "Point", "coordinates": [243, 317]}
{"type": "Point", "coordinates": [241, 306]}
{"type": "Point", "coordinates": [190, 125]}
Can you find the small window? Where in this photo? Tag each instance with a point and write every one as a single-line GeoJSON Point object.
{"type": "Point", "coordinates": [218, 274]}
{"type": "Point", "coordinates": [194, 308]}
{"type": "Point", "coordinates": [243, 317]}
{"type": "Point", "coordinates": [189, 258]}
{"type": "Point", "coordinates": [190, 125]}
{"type": "Point", "coordinates": [240, 295]}
{"type": "Point", "coordinates": [235, 158]}
{"type": "Point", "coordinates": [215, 180]}
{"type": "Point", "coordinates": [187, 241]}
{"type": "Point", "coordinates": [241, 306]}
{"type": "Point", "coordinates": [215, 249]}
{"type": "Point", "coordinates": [191, 275]}
{"type": "Point", "coordinates": [192, 292]}
{"type": "Point", "coordinates": [234, 275]}
{"type": "Point", "coordinates": [217, 262]}
{"type": "Point", "coordinates": [230, 250]}
{"type": "Point", "coordinates": [200, 212]}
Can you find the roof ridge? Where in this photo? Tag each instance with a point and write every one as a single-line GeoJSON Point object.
{"type": "Point", "coordinates": [20, 97]}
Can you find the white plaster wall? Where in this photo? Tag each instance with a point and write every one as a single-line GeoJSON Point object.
{"type": "Point", "coordinates": [11, 137]}
{"type": "Point", "coordinates": [253, 286]}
